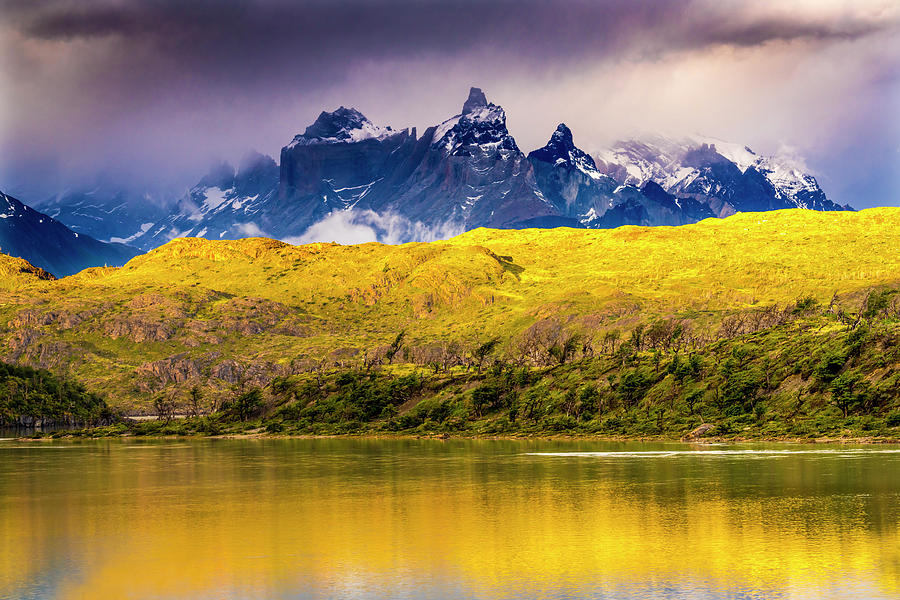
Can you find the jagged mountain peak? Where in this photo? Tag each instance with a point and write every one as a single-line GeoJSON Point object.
{"type": "Point", "coordinates": [787, 172]}
{"type": "Point", "coordinates": [562, 137]}
{"type": "Point", "coordinates": [561, 143]}
{"type": "Point", "coordinates": [702, 155]}
{"type": "Point", "coordinates": [476, 100]}
{"type": "Point", "coordinates": [561, 150]}
{"type": "Point", "coordinates": [342, 125]}
{"type": "Point", "coordinates": [481, 124]}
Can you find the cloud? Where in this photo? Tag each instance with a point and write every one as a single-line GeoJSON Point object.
{"type": "Point", "coordinates": [250, 230]}
{"type": "Point", "coordinates": [360, 227]}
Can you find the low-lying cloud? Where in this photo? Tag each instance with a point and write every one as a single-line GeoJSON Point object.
{"type": "Point", "coordinates": [362, 226]}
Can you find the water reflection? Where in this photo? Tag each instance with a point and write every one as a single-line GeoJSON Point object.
{"type": "Point", "coordinates": [429, 519]}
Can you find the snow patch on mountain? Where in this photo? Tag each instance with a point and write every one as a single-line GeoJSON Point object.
{"type": "Point", "coordinates": [145, 227]}
{"type": "Point", "coordinates": [786, 169]}
{"type": "Point", "coordinates": [215, 197]}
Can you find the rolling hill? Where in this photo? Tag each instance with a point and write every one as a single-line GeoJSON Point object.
{"type": "Point", "coordinates": [230, 312]}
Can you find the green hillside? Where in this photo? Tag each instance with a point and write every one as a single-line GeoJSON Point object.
{"type": "Point", "coordinates": [230, 315]}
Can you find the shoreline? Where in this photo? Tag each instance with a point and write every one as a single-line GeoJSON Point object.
{"type": "Point", "coordinates": [826, 440]}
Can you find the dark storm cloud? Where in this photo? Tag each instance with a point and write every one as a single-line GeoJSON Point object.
{"type": "Point", "coordinates": [254, 28]}
{"type": "Point", "coordinates": [298, 41]}
{"type": "Point", "coordinates": [162, 84]}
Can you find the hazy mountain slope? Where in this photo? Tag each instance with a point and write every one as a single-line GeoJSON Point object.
{"type": "Point", "coordinates": [107, 212]}
{"type": "Point", "coordinates": [725, 176]}
{"type": "Point", "coordinates": [198, 309]}
{"type": "Point", "coordinates": [225, 204]}
{"type": "Point", "coordinates": [568, 177]}
{"type": "Point", "coordinates": [50, 245]}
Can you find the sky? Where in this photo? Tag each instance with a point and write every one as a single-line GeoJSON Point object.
{"type": "Point", "coordinates": [150, 92]}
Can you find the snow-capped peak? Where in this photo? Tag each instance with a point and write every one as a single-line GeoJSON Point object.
{"type": "Point", "coordinates": [344, 125]}
{"type": "Point", "coordinates": [786, 170]}
{"type": "Point", "coordinates": [561, 150]}
{"type": "Point", "coordinates": [480, 124]}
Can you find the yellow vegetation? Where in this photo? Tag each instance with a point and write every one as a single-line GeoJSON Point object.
{"type": "Point", "coordinates": [480, 284]}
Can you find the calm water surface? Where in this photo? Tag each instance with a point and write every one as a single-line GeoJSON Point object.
{"type": "Point", "coordinates": [446, 519]}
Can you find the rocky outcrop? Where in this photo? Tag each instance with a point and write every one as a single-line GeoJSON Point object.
{"type": "Point", "coordinates": [19, 341]}
{"type": "Point", "coordinates": [174, 369]}
{"type": "Point", "coordinates": [58, 319]}
{"type": "Point", "coordinates": [257, 373]}
{"type": "Point", "coordinates": [139, 330]}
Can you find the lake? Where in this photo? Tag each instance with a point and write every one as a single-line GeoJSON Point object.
{"type": "Point", "coordinates": [369, 518]}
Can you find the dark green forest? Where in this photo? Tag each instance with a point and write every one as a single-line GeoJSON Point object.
{"type": "Point", "coordinates": [32, 396]}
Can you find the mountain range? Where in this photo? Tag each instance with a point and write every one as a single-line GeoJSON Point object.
{"type": "Point", "coordinates": [463, 173]}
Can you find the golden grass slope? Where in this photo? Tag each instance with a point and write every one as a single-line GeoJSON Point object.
{"type": "Point", "coordinates": [308, 301]}
{"type": "Point", "coordinates": [16, 272]}
{"type": "Point", "coordinates": [748, 259]}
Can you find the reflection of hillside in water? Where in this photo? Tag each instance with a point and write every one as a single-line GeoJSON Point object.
{"type": "Point", "coordinates": [412, 518]}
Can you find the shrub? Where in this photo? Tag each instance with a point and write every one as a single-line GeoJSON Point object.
{"type": "Point", "coordinates": [829, 367]}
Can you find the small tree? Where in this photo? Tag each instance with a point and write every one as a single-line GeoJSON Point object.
{"type": "Point", "coordinates": [611, 341]}
{"type": "Point", "coordinates": [692, 399]}
{"type": "Point", "coordinates": [829, 366]}
{"type": "Point", "coordinates": [632, 386]}
{"type": "Point", "coordinates": [637, 337]}
{"type": "Point", "coordinates": [564, 347]}
{"type": "Point", "coordinates": [484, 397]}
{"type": "Point", "coordinates": [842, 392]}
{"type": "Point", "coordinates": [164, 404]}
{"type": "Point", "coordinates": [248, 403]}
{"type": "Point", "coordinates": [483, 351]}
{"type": "Point", "coordinates": [195, 401]}
{"type": "Point", "coordinates": [395, 347]}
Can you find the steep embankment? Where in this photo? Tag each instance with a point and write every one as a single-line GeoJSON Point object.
{"type": "Point", "coordinates": [226, 313]}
